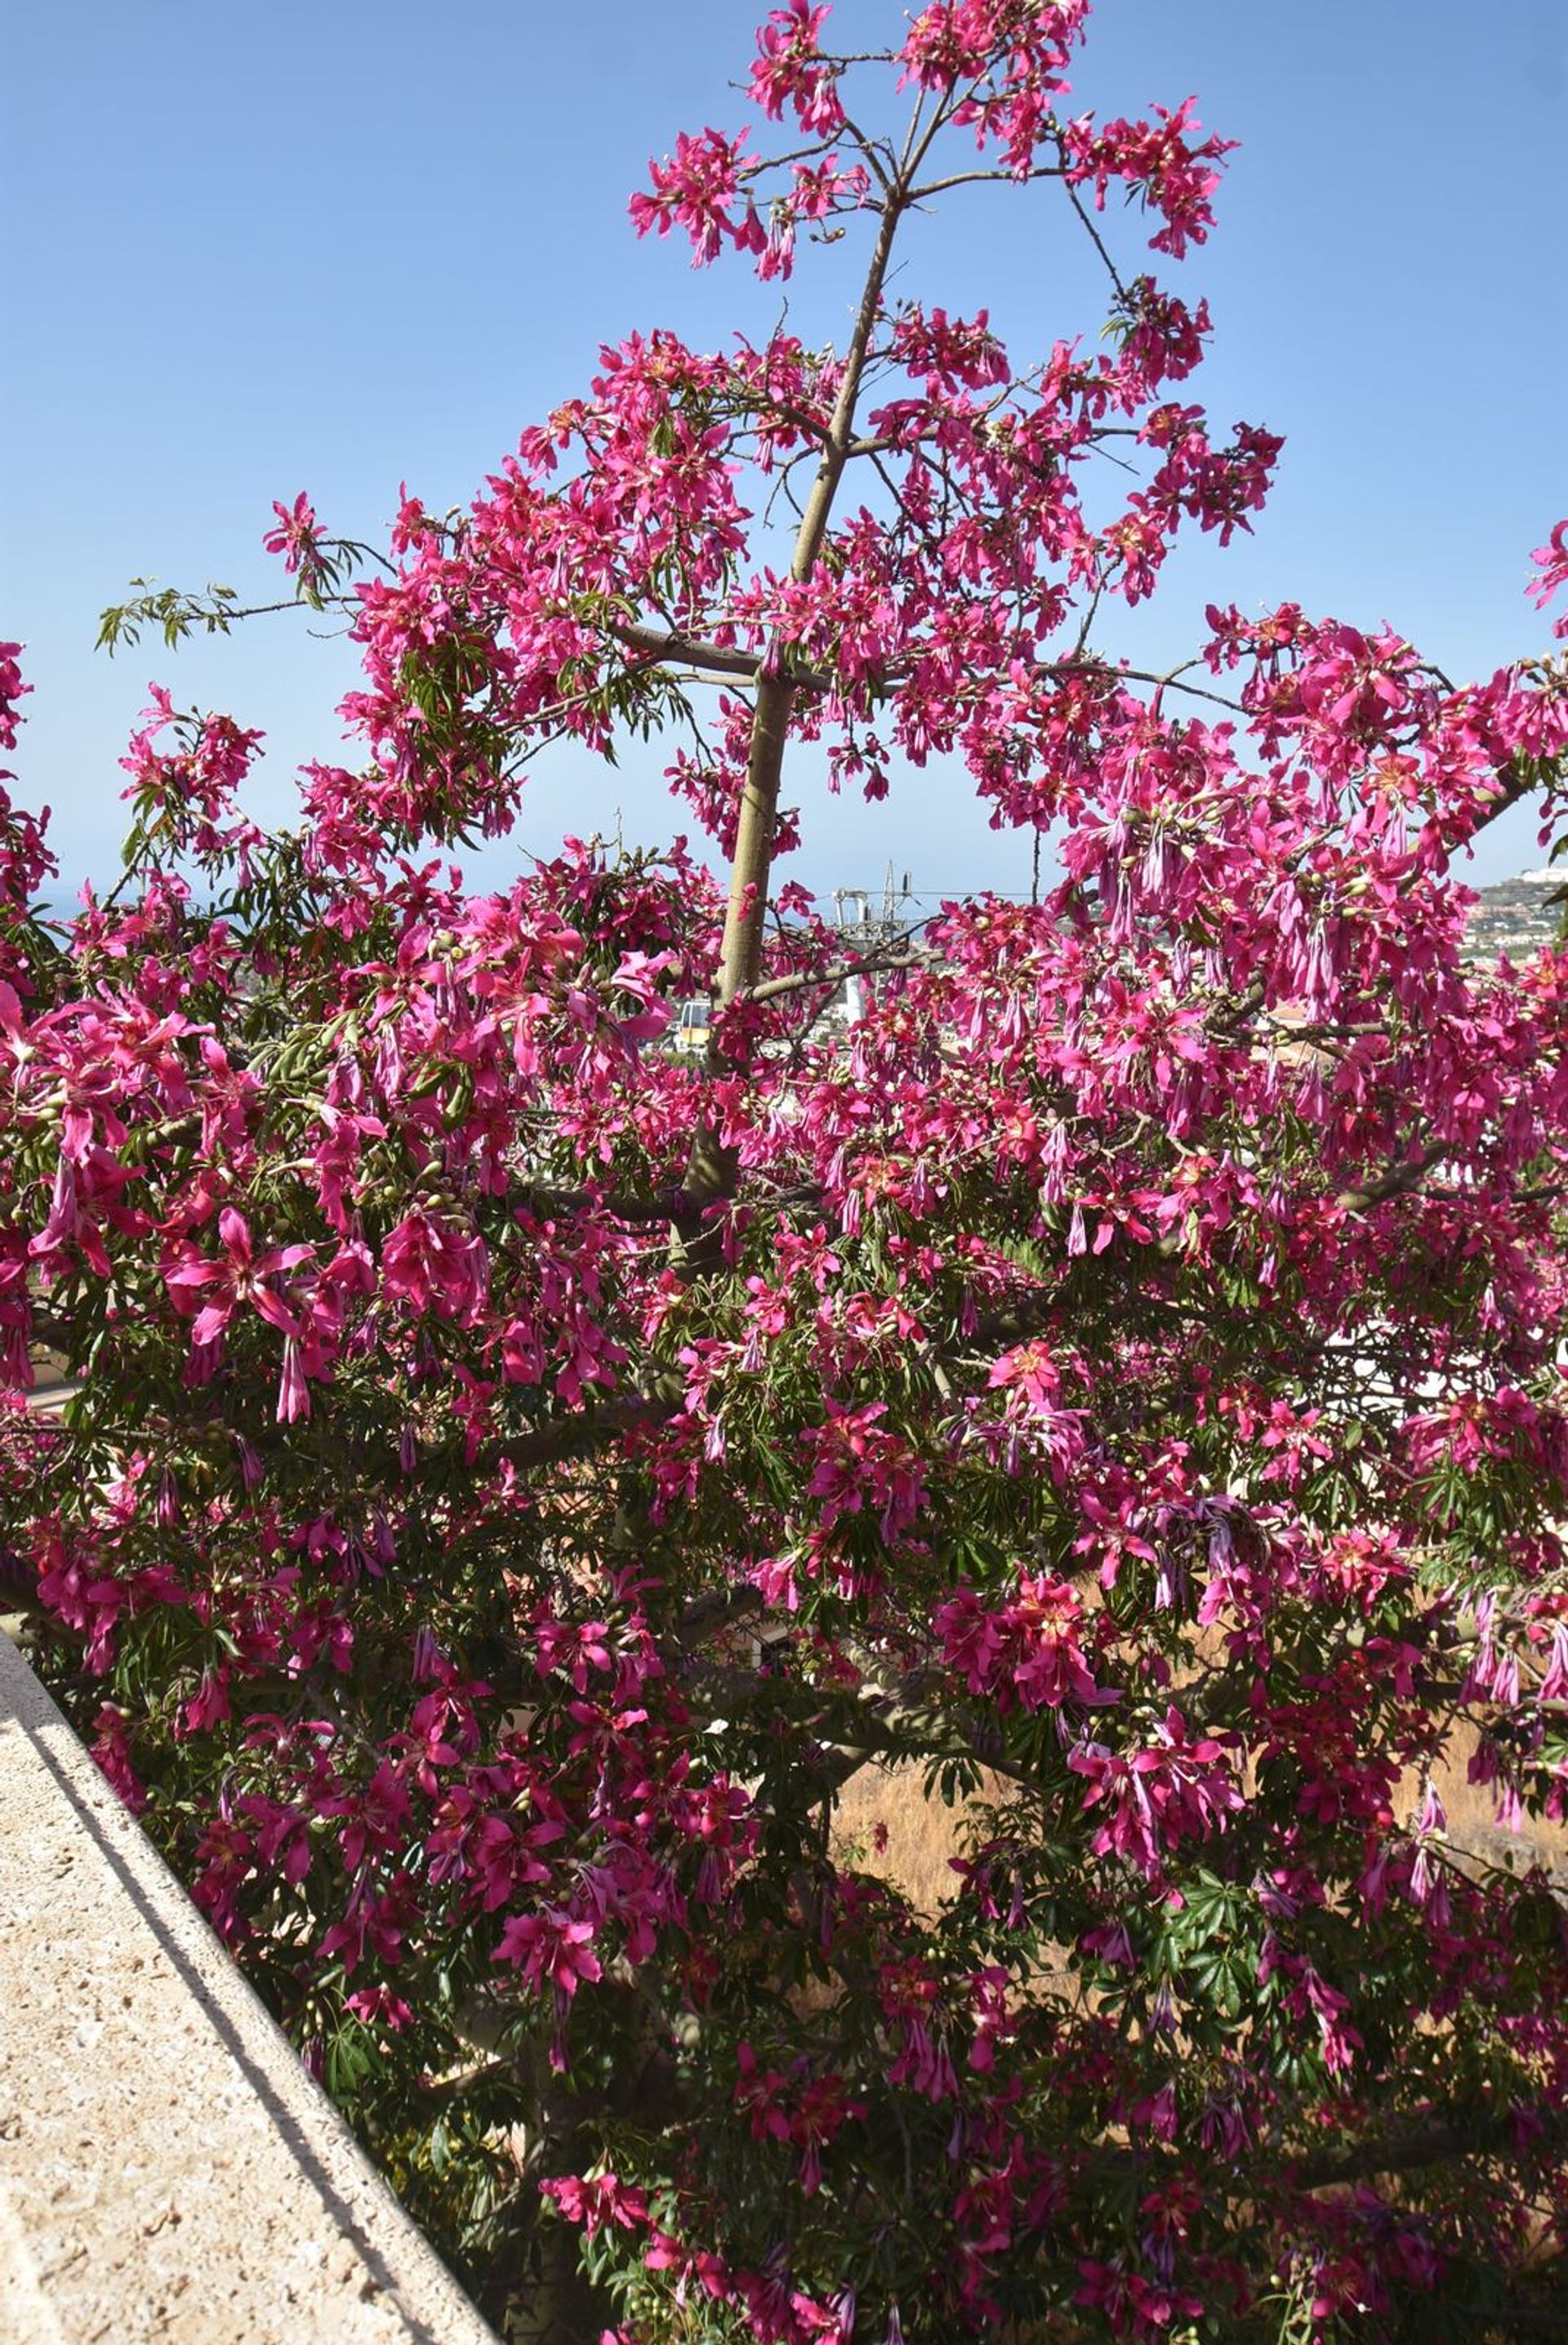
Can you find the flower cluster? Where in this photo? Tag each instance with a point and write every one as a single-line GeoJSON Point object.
{"type": "Point", "coordinates": [897, 1648]}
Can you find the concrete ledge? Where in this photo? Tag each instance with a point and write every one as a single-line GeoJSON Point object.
{"type": "Point", "coordinates": [167, 2171]}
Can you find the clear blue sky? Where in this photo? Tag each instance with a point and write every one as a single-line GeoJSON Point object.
{"type": "Point", "coordinates": [337, 246]}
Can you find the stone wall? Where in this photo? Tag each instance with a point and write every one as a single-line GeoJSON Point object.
{"type": "Point", "coordinates": [167, 2171]}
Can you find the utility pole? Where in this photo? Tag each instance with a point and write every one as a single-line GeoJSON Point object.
{"type": "Point", "coordinates": [866, 933]}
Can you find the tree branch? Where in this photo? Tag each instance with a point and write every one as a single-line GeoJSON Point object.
{"type": "Point", "coordinates": [592, 1429]}
{"type": "Point", "coordinates": [716, 659]}
{"type": "Point", "coordinates": [1396, 1182]}
{"type": "Point", "coordinates": [551, 1204]}
{"type": "Point", "coordinates": [1516, 781]}
{"type": "Point", "coordinates": [1438, 2142]}
{"type": "Point", "coordinates": [771, 988]}
{"type": "Point", "coordinates": [713, 1167]}
{"type": "Point", "coordinates": [985, 179]}
{"type": "Point", "coordinates": [722, 1608]}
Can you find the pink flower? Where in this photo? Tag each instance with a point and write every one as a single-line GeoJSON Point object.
{"type": "Point", "coordinates": [550, 1948]}
{"type": "Point", "coordinates": [240, 1275]}
{"type": "Point", "coordinates": [694, 190]}
{"type": "Point", "coordinates": [1551, 560]}
{"type": "Point", "coordinates": [371, 2005]}
{"type": "Point", "coordinates": [1175, 1788]}
{"type": "Point", "coordinates": [594, 2200]}
{"type": "Point", "coordinates": [293, 1390]}
{"type": "Point", "coordinates": [295, 538]}
{"type": "Point", "coordinates": [426, 1262]}
{"type": "Point", "coordinates": [790, 70]}
{"type": "Point", "coordinates": [1157, 161]}
{"type": "Point", "coordinates": [1026, 1649]}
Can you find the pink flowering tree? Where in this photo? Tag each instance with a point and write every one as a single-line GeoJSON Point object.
{"type": "Point", "coordinates": [523, 1474]}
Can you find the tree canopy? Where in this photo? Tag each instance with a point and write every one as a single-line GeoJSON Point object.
{"type": "Point", "coordinates": [523, 1473]}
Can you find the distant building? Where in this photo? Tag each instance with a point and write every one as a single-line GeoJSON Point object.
{"type": "Point", "coordinates": [1518, 917]}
